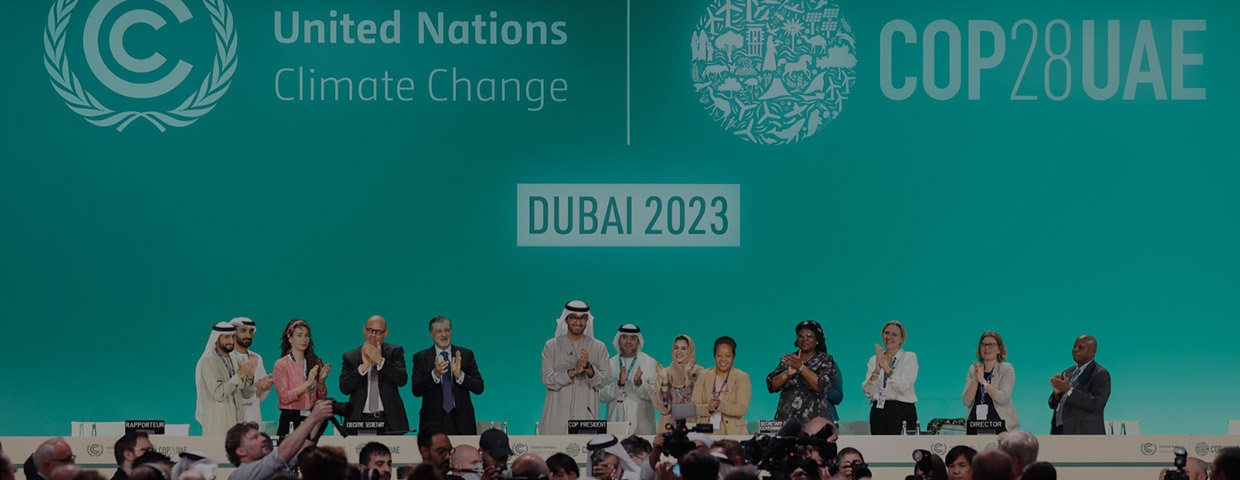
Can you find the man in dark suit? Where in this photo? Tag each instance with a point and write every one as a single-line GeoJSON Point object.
{"type": "Point", "coordinates": [1081, 393]}
{"type": "Point", "coordinates": [376, 368]}
{"type": "Point", "coordinates": [446, 400]}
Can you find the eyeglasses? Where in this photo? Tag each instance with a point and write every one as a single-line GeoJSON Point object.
{"type": "Point", "coordinates": [68, 459]}
{"type": "Point", "coordinates": [371, 331]}
{"type": "Point", "coordinates": [577, 316]}
{"type": "Point", "coordinates": [142, 450]}
{"type": "Point", "coordinates": [807, 335]}
{"type": "Point", "coordinates": [990, 345]}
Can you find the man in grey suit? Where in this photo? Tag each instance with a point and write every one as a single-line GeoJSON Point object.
{"type": "Point", "coordinates": [1081, 393]}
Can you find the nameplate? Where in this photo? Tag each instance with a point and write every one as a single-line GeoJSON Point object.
{"type": "Point", "coordinates": [770, 427]}
{"type": "Point", "coordinates": [983, 427]}
{"type": "Point", "coordinates": [378, 425]}
{"type": "Point", "coordinates": [155, 427]}
{"type": "Point", "coordinates": [587, 427]}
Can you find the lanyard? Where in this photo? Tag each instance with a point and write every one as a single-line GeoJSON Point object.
{"type": "Point", "coordinates": [722, 388]}
{"type": "Point", "coordinates": [629, 369]}
{"type": "Point", "coordinates": [893, 371]}
{"type": "Point", "coordinates": [983, 387]}
{"type": "Point", "coordinates": [227, 366]}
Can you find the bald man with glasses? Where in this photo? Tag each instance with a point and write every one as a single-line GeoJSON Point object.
{"type": "Point", "coordinates": [372, 375]}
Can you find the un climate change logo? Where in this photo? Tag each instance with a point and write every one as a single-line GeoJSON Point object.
{"type": "Point", "coordinates": [773, 71]}
{"type": "Point", "coordinates": [112, 20]}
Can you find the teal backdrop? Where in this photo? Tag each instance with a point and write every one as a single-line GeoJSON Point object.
{"type": "Point", "coordinates": [1040, 219]}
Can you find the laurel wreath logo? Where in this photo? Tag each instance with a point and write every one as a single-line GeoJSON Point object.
{"type": "Point", "coordinates": [81, 101]}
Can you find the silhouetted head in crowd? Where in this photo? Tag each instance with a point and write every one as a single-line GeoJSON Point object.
{"type": "Point", "coordinates": [426, 471]}
{"type": "Point", "coordinates": [993, 464]}
{"type": "Point", "coordinates": [731, 449]}
{"type": "Point", "coordinates": [740, 474]}
{"type": "Point", "coordinates": [1022, 446]}
{"type": "Point", "coordinates": [158, 460]}
{"type": "Point", "coordinates": [697, 465]}
{"type": "Point", "coordinates": [66, 472]}
{"type": "Point", "coordinates": [466, 457]}
{"type": "Point", "coordinates": [1226, 464]}
{"type": "Point", "coordinates": [377, 457]}
{"type": "Point", "coordinates": [530, 466]}
{"type": "Point", "coordinates": [562, 467]}
{"type": "Point", "coordinates": [148, 471]}
{"type": "Point", "coordinates": [88, 475]}
{"type": "Point", "coordinates": [323, 463]}
{"type": "Point", "coordinates": [1038, 471]}
{"type": "Point", "coordinates": [53, 453]}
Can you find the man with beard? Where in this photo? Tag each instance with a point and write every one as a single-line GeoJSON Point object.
{"type": "Point", "coordinates": [628, 393]}
{"type": "Point", "coordinates": [251, 407]}
{"type": "Point", "coordinates": [250, 450]}
{"type": "Point", "coordinates": [375, 457]}
{"type": "Point", "coordinates": [222, 382]}
{"type": "Point", "coordinates": [572, 378]}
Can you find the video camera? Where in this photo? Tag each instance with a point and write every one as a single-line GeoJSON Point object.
{"type": "Point", "coordinates": [676, 441]}
{"type": "Point", "coordinates": [923, 464]}
{"type": "Point", "coordinates": [779, 454]}
{"type": "Point", "coordinates": [1181, 459]}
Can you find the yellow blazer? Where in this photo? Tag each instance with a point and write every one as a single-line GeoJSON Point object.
{"type": "Point", "coordinates": [733, 403]}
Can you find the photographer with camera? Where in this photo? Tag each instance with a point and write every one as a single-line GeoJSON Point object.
{"type": "Point", "coordinates": [245, 447]}
{"type": "Point", "coordinates": [851, 465]}
{"type": "Point", "coordinates": [608, 460]}
{"type": "Point", "coordinates": [927, 466]}
{"type": "Point", "coordinates": [1186, 468]}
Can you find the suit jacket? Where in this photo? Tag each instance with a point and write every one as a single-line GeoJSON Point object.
{"type": "Point", "coordinates": [461, 420]}
{"type": "Point", "coordinates": [391, 377]}
{"type": "Point", "coordinates": [733, 403]}
{"type": "Point", "coordinates": [1082, 412]}
{"type": "Point", "coordinates": [1003, 379]}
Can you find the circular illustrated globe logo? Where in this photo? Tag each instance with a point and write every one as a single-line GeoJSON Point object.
{"type": "Point", "coordinates": [773, 71]}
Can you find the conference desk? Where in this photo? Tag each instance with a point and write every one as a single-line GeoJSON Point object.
{"type": "Point", "coordinates": [1075, 457]}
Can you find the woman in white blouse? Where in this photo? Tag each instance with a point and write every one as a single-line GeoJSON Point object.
{"type": "Point", "coordinates": [890, 375]}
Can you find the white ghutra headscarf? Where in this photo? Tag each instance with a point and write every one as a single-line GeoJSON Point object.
{"type": "Point", "coordinates": [575, 306]}
{"type": "Point", "coordinates": [222, 328]}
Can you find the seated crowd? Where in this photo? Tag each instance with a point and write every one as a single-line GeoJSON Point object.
{"type": "Point", "coordinates": [814, 455]}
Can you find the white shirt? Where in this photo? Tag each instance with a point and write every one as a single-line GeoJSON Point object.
{"type": "Point", "coordinates": [251, 406]}
{"type": "Point", "coordinates": [374, 368]}
{"type": "Point", "coordinates": [900, 386]}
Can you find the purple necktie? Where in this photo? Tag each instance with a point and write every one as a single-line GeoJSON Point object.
{"type": "Point", "coordinates": [448, 402]}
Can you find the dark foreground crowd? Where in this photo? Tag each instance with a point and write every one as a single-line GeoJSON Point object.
{"type": "Point", "coordinates": [806, 452]}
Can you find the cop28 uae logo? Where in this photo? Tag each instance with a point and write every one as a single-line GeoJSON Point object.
{"type": "Point", "coordinates": [151, 92]}
{"type": "Point", "coordinates": [773, 71]}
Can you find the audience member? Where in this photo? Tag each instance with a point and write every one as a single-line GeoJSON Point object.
{"type": "Point", "coordinates": [637, 447]}
{"type": "Point", "coordinates": [493, 444]}
{"type": "Point", "coordinates": [323, 463]}
{"type": "Point", "coordinates": [562, 467]}
{"type": "Point", "coordinates": [436, 448]}
{"type": "Point", "coordinates": [126, 449]}
{"type": "Point", "coordinates": [52, 454]}
{"type": "Point", "coordinates": [1038, 471]}
{"type": "Point", "coordinates": [530, 466]}
{"type": "Point", "coordinates": [247, 449]}
{"type": "Point", "coordinates": [1226, 464]}
{"type": "Point", "coordinates": [1022, 446]}
{"type": "Point", "coordinates": [993, 464]}
{"type": "Point", "coordinates": [960, 463]}
{"type": "Point", "coordinates": [376, 457]}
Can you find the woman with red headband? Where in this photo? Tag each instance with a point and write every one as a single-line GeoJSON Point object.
{"type": "Point", "coordinates": [300, 376]}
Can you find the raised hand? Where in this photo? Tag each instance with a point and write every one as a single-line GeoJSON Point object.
{"type": "Point", "coordinates": [263, 384]}
{"type": "Point", "coordinates": [1060, 383]}
{"type": "Point", "coordinates": [624, 371]}
{"type": "Point", "coordinates": [441, 367]}
{"type": "Point", "coordinates": [637, 376]}
{"type": "Point", "coordinates": [456, 365]}
{"type": "Point", "coordinates": [583, 358]}
{"type": "Point", "coordinates": [314, 373]}
{"type": "Point", "coordinates": [323, 373]}
{"type": "Point", "coordinates": [247, 368]}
